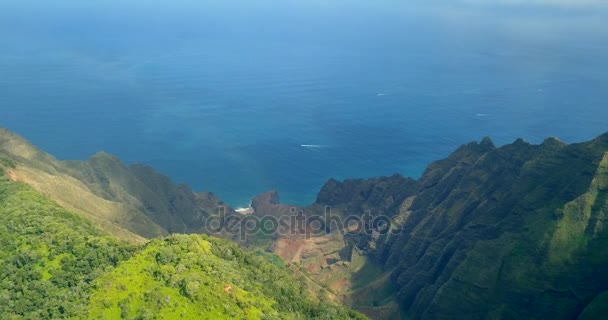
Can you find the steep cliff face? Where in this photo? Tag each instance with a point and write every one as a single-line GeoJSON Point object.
{"type": "Point", "coordinates": [176, 208]}
{"type": "Point", "coordinates": [511, 231]}
{"type": "Point", "coordinates": [130, 201]}
{"type": "Point", "coordinates": [506, 232]}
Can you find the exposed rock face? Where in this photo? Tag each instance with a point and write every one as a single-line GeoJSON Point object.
{"type": "Point", "coordinates": [270, 197]}
{"type": "Point", "coordinates": [269, 203]}
{"type": "Point", "coordinates": [511, 232]}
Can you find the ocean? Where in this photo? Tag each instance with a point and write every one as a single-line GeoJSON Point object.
{"type": "Point", "coordinates": [242, 97]}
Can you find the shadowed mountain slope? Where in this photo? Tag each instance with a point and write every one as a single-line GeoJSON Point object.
{"type": "Point", "coordinates": [510, 232]}
{"type": "Point", "coordinates": [132, 202]}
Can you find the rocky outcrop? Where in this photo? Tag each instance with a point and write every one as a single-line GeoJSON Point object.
{"type": "Point", "coordinates": [269, 203]}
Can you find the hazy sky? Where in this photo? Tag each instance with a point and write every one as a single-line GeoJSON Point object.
{"type": "Point", "coordinates": [391, 5]}
{"type": "Point", "coordinates": [590, 14]}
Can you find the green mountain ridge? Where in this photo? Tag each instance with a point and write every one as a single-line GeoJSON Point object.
{"type": "Point", "coordinates": [516, 231]}
{"type": "Point", "coordinates": [133, 202]}
{"type": "Point", "coordinates": [57, 265]}
{"type": "Point", "coordinates": [510, 232]}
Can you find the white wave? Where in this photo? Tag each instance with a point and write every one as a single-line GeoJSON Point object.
{"type": "Point", "coordinates": [481, 115]}
{"type": "Point", "coordinates": [245, 211]}
{"type": "Point", "coordinates": [311, 146]}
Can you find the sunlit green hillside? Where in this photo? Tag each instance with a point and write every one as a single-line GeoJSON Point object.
{"type": "Point", "coordinates": [57, 265]}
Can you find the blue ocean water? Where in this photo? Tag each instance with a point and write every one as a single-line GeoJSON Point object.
{"type": "Point", "coordinates": [242, 97]}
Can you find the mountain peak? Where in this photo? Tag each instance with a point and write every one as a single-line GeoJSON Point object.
{"type": "Point", "coordinates": [104, 156]}
{"type": "Point", "coordinates": [520, 141]}
{"type": "Point", "coordinates": [487, 142]}
{"type": "Point", "coordinates": [16, 145]}
{"type": "Point", "coordinates": [270, 197]}
{"type": "Point", "coordinates": [18, 148]}
{"type": "Point", "coordinates": [553, 142]}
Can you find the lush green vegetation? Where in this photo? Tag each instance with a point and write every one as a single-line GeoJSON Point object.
{"type": "Point", "coordinates": [201, 277]}
{"type": "Point", "coordinates": [57, 265]}
{"type": "Point", "coordinates": [49, 257]}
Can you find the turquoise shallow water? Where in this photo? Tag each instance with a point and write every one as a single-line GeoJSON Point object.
{"type": "Point", "coordinates": [241, 101]}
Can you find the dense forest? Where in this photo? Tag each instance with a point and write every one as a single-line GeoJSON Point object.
{"type": "Point", "coordinates": [58, 265]}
